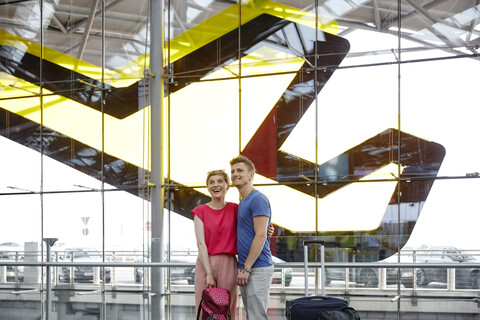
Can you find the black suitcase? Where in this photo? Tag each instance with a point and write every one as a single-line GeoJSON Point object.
{"type": "Point", "coordinates": [345, 313]}
{"type": "Point", "coordinates": [310, 307]}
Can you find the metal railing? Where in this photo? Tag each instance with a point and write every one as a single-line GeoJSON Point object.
{"type": "Point", "coordinates": [14, 269]}
{"type": "Point", "coordinates": [350, 285]}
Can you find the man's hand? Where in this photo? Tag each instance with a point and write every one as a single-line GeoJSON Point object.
{"type": "Point", "coordinates": [270, 230]}
{"type": "Point", "coordinates": [242, 278]}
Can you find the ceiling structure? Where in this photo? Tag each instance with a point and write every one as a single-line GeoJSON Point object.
{"type": "Point", "coordinates": [75, 27]}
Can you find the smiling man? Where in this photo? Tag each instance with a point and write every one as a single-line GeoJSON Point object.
{"type": "Point", "coordinates": [253, 246]}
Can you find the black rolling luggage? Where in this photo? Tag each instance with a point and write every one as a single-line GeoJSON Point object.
{"type": "Point", "coordinates": [345, 313]}
{"type": "Point", "coordinates": [318, 307]}
{"type": "Point", "coordinates": [310, 308]}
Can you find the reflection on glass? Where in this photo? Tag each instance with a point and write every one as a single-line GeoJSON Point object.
{"type": "Point", "coordinates": [364, 199]}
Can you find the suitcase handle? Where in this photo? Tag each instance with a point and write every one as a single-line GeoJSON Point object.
{"type": "Point", "coordinates": [322, 262]}
{"type": "Point", "coordinates": [305, 242]}
{"type": "Point", "coordinates": [319, 298]}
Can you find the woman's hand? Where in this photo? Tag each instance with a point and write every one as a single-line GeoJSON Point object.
{"type": "Point", "coordinates": [211, 281]}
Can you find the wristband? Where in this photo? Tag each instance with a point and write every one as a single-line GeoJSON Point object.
{"type": "Point", "coordinates": [246, 269]}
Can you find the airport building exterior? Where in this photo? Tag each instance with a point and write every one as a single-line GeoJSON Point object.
{"type": "Point", "coordinates": [360, 117]}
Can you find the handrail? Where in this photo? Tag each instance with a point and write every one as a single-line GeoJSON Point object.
{"type": "Point", "coordinates": [280, 265]}
{"type": "Point", "coordinates": [97, 264]}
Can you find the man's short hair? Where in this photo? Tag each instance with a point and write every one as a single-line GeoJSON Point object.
{"type": "Point", "coordinates": [248, 163]}
{"type": "Point", "coordinates": [218, 173]}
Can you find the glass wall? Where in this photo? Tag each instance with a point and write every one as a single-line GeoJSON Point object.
{"type": "Point", "coordinates": [359, 115]}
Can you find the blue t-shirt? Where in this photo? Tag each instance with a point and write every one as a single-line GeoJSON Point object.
{"type": "Point", "coordinates": [255, 204]}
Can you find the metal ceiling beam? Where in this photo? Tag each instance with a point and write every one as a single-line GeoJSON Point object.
{"type": "Point", "coordinates": [376, 15]}
{"type": "Point", "coordinates": [411, 15]}
{"type": "Point", "coordinates": [59, 24]}
{"type": "Point", "coordinates": [81, 23]}
{"type": "Point", "coordinates": [122, 38]}
{"type": "Point", "coordinates": [178, 25]}
{"type": "Point", "coordinates": [415, 13]}
{"type": "Point", "coordinates": [84, 17]}
{"type": "Point", "coordinates": [358, 25]}
{"type": "Point", "coordinates": [421, 11]}
{"type": "Point", "coordinates": [432, 21]}
{"type": "Point", "coordinates": [179, 21]}
{"type": "Point", "coordinates": [88, 27]}
{"type": "Point", "coordinates": [471, 29]}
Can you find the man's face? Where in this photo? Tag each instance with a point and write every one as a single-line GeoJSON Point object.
{"type": "Point", "coordinates": [240, 175]}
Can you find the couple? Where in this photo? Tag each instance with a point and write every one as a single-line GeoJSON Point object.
{"type": "Point", "coordinates": [224, 229]}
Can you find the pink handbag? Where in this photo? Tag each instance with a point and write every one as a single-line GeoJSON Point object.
{"type": "Point", "coordinates": [215, 304]}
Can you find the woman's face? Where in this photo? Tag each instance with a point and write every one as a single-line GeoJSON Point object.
{"type": "Point", "coordinates": [217, 186]}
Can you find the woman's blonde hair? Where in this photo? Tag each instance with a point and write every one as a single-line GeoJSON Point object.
{"type": "Point", "coordinates": [218, 173]}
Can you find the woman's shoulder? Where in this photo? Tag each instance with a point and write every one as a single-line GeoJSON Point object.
{"type": "Point", "coordinates": [232, 204]}
{"type": "Point", "coordinates": [200, 208]}
{"type": "Point", "coordinates": [204, 207]}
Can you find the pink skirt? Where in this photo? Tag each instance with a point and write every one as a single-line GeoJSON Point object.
{"type": "Point", "coordinates": [224, 268]}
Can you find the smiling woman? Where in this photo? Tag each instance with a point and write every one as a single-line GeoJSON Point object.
{"type": "Point", "coordinates": [215, 230]}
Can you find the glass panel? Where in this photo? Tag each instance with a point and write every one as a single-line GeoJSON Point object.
{"type": "Point", "coordinates": [127, 220]}
{"type": "Point", "coordinates": [191, 25]}
{"type": "Point", "coordinates": [74, 218]}
{"type": "Point", "coordinates": [20, 180]}
{"type": "Point", "coordinates": [350, 129]}
{"type": "Point", "coordinates": [452, 216]}
{"type": "Point", "coordinates": [22, 219]}
{"type": "Point", "coordinates": [439, 30]}
{"type": "Point", "coordinates": [427, 109]}
{"type": "Point", "coordinates": [428, 103]}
